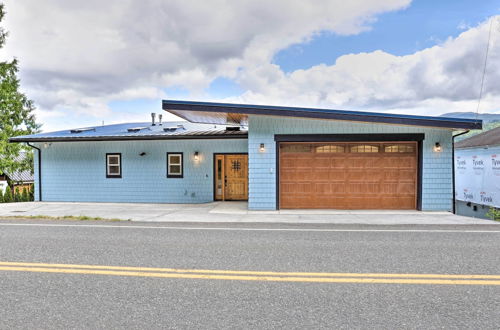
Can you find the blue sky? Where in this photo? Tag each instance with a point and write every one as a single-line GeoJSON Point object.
{"type": "Point", "coordinates": [423, 24]}
{"type": "Point", "coordinates": [415, 57]}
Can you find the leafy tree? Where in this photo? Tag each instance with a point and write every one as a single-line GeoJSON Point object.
{"type": "Point", "coordinates": [16, 114]}
{"type": "Point", "coordinates": [7, 197]}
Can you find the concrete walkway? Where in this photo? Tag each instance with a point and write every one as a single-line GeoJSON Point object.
{"type": "Point", "coordinates": [230, 212]}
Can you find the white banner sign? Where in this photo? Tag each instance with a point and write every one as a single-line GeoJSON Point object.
{"type": "Point", "coordinates": [477, 176]}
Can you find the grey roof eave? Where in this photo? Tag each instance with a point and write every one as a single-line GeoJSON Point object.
{"type": "Point", "coordinates": [128, 138]}
{"type": "Point", "coordinates": [176, 106]}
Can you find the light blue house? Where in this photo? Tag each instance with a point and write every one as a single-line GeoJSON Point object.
{"type": "Point", "coordinates": [274, 157]}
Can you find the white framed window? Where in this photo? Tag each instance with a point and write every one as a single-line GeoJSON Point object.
{"type": "Point", "coordinates": [113, 165]}
{"type": "Point", "coordinates": [175, 165]}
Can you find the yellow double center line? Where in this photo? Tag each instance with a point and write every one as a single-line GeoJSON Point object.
{"type": "Point", "coordinates": [381, 278]}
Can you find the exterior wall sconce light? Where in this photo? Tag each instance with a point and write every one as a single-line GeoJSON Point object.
{"type": "Point", "coordinates": [262, 147]}
{"type": "Point", "coordinates": [142, 154]}
{"type": "Point", "coordinates": [437, 147]}
{"type": "Point", "coordinates": [196, 156]}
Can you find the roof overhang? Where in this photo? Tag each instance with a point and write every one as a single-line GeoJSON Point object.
{"type": "Point", "coordinates": [227, 135]}
{"type": "Point", "coordinates": [237, 114]}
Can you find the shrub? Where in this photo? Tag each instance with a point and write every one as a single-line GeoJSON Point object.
{"type": "Point", "coordinates": [25, 196]}
{"type": "Point", "coordinates": [31, 194]}
{"type": "Point", "coordinates": [493, 213]}
{"type": "Point", "coordinates": [1, 196]}
{"type": "Point", "coordinates": [16, 196]}
{"type": "Point", "coordinates": [7, 197]}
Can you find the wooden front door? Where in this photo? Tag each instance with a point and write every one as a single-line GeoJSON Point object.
{"type": "Point", "coordinates": [358, 175]}
{"type": "Point", "coordinates": [231, 177]}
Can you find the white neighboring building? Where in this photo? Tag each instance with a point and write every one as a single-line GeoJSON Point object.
{"type": "Point", "coordinates": [3, 186]}
{"type": "Point", "coordinates": [477, 174]}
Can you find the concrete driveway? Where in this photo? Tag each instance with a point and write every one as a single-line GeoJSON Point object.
{"type": "Point", "coordinates": [229, 212]}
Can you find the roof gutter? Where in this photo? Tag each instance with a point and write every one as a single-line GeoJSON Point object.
{"type": "Point", "coordinates": [39, 170]}
{"type": "Point", "coordinates": [453, 168]}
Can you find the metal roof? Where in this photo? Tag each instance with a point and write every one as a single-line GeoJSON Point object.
{"type": "Point", "coordinates": [488, 138]}
{"type": "Point", "coordinates": [129, 131]}
{"type": "Point", "coordinates": [227, 113]}
{"type": "Point", "coordinates": [20, 176]}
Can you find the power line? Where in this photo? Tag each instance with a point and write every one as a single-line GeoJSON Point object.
{"type": "Point", "coordinates": [484, 69]}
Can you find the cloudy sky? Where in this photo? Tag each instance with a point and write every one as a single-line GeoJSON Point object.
{"type": "Point", "coordinates": [88, 61]}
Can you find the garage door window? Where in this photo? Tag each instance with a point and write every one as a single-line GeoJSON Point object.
{"type": "Point", "coordinates": [403, 148]}
{"type": "Point", "coordinates": [364, 149]}
{"type": "Point", "coordinates": [348, 148]}
{"type": "Point", "coordinates": [296, 148]}
{"type": "Point", "coordinates": [329, 149]}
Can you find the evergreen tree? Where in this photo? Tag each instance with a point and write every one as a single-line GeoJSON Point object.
{"type": "Point", "coordinates": [16, 195]}
{"type": "Point", "coordinates": [25, 196]}
{"type": "Point", "coordinates": [7, 197]}
{"type": "Point", "coordinates": [16, 114]}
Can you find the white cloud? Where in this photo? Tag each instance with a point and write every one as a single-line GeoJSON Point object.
{"type": "Point", "coordinates": [79, 55]}
{"type": "Point", "coordinates": [439, 79]}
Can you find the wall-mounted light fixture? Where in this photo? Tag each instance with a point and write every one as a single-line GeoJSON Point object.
{"type": "Point", "coordinates": [47, 144]}
{"type": "Point", "coordinates": [262, 147]}
{"type": "Point", "coordinates": [142, 154]}
{"type": "Point", "coordinates": [196, 156]}
{"type": "Point", "coordinates": [437, 147]}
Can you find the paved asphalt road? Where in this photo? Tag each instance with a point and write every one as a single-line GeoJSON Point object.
{"type": "Point", "coordinates": [45, 297]}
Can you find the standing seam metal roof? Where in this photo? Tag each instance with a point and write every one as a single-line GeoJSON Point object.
{"type": "Point", "coordinates": [147, 132]}
{"type": "Point", "coordinates": [488, 138]}
{"type": "Point", "coordinates": [20, 176]}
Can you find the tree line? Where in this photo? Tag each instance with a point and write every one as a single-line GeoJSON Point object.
{"type": "Point", "coordinates": [10, 195]}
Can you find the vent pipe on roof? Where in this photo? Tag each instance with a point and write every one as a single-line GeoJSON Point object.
{"type": "Point", "coordinates": [153, 116]}
{"type": "Point", "coordinates": [159, 119]}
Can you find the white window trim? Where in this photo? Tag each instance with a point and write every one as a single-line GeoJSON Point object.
{"type": "Point", "coordinates": [180, 164]}
{"type": "Point", "coordinates": [118, 156]}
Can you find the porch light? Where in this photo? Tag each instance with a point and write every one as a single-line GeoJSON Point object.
{"type": "Point", "coordinates": [437, 147]}
{"type": "Point", "coordinates": [196, 156]}
{"type": "Point", "coordinates": [262, 147]}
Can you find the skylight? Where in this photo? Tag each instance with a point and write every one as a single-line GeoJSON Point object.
{"type": "Point", "coordinates": [80, 130]}
{"type": "Point", "coordinates": [136, 129]}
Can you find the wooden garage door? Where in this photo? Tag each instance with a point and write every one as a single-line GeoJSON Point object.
{"type": "Point", "coordinates": [348, 175]}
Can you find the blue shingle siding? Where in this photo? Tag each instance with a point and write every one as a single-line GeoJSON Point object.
{"type": "Point", "coordinates": [436, 171]}
{"type": "Point", "coordinates": [76, 171]}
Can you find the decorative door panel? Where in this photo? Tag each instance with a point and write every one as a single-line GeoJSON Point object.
{"type": "Point", "coordinates": [231, 177]}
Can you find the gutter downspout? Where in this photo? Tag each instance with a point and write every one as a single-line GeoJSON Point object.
{"type": "Point", "coordinates": [453, 167]}
{"type": "Point", "coordinates": [39, 170]}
